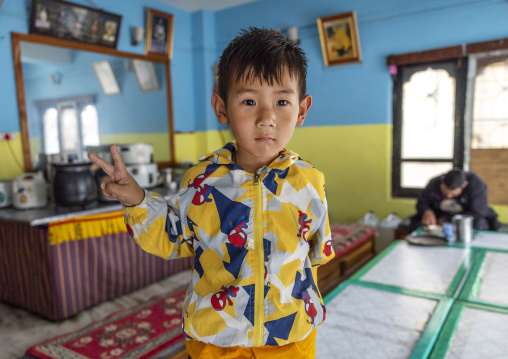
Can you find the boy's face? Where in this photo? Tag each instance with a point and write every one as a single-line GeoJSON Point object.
{"type": "Point", "coordinates": [262, 118]}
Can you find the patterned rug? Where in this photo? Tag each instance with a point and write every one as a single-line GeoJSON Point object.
{"type": "Point", "coordinates": [145, 331]}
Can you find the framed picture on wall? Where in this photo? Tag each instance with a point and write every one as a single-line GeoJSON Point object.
{"type": "Point", "coordinates": [145, 73]}
{"type": "Point", "coordinates": [159, 33]}
{"type": "Point", "coordinates": [68, 21]}
{"type": "Point", "coordinates": [339, 39]}
{"type": "Point", "coordinates": [106, 77]}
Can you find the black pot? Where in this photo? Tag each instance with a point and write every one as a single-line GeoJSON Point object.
{"type": "Point", "coordinates": [74, 184]}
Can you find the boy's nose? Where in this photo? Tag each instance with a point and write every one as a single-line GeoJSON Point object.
{"type": "Point", "coordinates": [266, 117]}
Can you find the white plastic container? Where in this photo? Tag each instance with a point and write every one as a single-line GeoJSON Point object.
{"type": "Point", "coordinates": [5, 193]}
{"type": "Point", "coordinates": [369, 218]}
{"type": "Point", "coordinates": [386, 231]}
{"type": "Point", "coordinates": [136, 153]}
{"type": "Point", "coordinates": [146, 175]}
{"type": "Point", "coordinates": [30, 190]}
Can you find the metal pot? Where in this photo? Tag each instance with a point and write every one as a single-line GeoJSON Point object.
{"type": "Point", "coordinates": [74, 184]}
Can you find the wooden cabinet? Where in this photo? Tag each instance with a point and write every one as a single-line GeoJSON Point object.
{"type": "Point", "coordinates": [347, 261]}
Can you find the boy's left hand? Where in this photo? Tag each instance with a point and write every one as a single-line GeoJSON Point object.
{"type": "Point", "coordinates": [120, 184]}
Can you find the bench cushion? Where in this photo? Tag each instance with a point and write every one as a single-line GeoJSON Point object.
{"type": "Point", "coordinates": [346, 236]}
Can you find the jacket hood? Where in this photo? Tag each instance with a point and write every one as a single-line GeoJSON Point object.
{"type": "Point", "coordinates": [224, 156]}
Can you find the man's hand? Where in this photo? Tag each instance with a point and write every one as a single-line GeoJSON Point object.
{"type": "Point", "coordinates": [120, 184]}
{"type": "Point", "coordinates": [428, 218]}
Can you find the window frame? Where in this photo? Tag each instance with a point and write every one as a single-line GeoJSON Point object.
{"type": "Point", "coordinates": [78, 103]}
{"type": "Point", "coordinates": [460, 65]}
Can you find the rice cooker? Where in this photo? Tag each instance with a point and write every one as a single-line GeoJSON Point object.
{"type": "Point", "coordinates": [136, 153]}
{"type": "Point", "coordinates": [145, 174]}
{"type": "Point", "coordinates": [5, 193]}
{"type": "Point", "coordinates": [29, 190]}
{"type": "Point", "coordinates": [103, 151]}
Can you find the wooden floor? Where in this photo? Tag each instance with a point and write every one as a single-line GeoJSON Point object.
{"type": "Point", "coordinates": [182, 355]}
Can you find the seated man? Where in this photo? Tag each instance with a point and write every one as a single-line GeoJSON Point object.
{"type": "Point", "coordinates": [456, 192]}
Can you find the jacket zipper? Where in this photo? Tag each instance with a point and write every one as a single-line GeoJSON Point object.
{"type": "Point", "coordinates": [260, 264]}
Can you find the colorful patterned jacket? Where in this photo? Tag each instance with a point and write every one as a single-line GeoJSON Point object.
{"type": "Point", "coordinates": [258, 239]}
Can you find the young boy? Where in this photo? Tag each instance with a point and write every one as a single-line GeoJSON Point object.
{"type": "Point", "coordinates": [253, 213]}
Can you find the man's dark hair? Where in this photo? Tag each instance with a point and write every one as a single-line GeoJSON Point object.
{"type": "Point", "coordinates": [455, 178]}
{"type": "Point", "coordinates": [261, 54]}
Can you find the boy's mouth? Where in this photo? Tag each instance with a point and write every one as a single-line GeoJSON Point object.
{"type": "Point", "coordinates": [265, 139]}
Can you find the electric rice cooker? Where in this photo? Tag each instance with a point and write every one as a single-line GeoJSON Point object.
{"type": "Point", "coordinates": [146, 174]}
{"type": "Point", "coordinates": [136, 153]}
{"type": "Point", "coordinates": [5, 193]}
{"type": "Point", "coordinates": [103, 151]}
{"type": "Point", "coordinates": [29, 190]}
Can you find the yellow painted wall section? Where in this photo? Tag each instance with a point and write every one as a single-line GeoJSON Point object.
{"type": "Point", "coordinates": [11, 161]}
{"type": "Point", "coordinates": [202, 142]}
{"type": "Point", "coordinates": [356, 161]}
{"type": "Point", "coordinates": [160, 142]}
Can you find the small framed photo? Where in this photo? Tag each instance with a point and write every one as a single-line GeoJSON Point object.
{"type": "Point", "coordinates": [106, 77]}
{"type": "Point", "coordinates": [68, 21]}
{"type": "Point", "coordinates": [339, 39]}
{"type": "Point", "coordinates": [145, 73]}
{"type": "Point", "coordinates": [159, 33]}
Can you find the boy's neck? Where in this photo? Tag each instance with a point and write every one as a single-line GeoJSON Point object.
{"type": "Point", "coordinates": [249, 163]}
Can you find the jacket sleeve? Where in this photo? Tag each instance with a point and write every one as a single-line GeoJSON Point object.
{"type": "Point", "coordinates": [321, 250]}
{"type": "Point", "coordinates": [478, 206]}
{"type": "Point", "coordinates": [425, 200]}
{"type": "Point", "coordinates": [156, 227]}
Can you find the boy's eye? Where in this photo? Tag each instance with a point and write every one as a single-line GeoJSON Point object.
{"type": "Point", "coordinates": [249, 102]}
{"type": "Point", "coordinates": [282, 103]}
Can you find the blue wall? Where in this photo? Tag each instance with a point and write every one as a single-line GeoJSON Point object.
{"type": "Point", "coordinates": [356, 94]}
{"type": "Point", "coordinates": [79, 79]}
{"type": "Point", "coordinates": [343, 95]}
{"type": "Point", "coordinates": [14, 17]}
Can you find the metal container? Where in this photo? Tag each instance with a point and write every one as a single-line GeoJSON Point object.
{"type": "Point", "coordinates": [74, 185]}
{"type": "Point", "coordinates": [463, 228]}
{"type": "Point", "coordinates": [167, 176]}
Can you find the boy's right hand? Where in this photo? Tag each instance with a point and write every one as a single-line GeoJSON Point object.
{"type": "Point", "coordinates": [120, 184]}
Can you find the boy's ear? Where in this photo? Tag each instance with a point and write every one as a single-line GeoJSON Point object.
{"type": "Point", "coordinates": [304, 108]}
{"type": "Point", "coordinates": [219, 107]}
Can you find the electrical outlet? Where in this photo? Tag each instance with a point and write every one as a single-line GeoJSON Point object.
{"type": "Point", "coordinates": [6, 136]}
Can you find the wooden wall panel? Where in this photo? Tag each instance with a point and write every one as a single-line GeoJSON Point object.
{"type": "Point", "coordinates": [492, 166]}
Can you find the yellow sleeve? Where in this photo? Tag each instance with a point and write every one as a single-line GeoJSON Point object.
{"type": "Point", "coordinates": [321, 250]}
{"type": "Point", "coordinates": [156, 227]}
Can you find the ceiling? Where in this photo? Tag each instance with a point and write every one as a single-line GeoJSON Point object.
{"type": "Point", "coordinates": [212, 5]}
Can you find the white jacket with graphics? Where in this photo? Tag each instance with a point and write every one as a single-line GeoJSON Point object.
{"type": "Point", "coordinates": [258, 239]}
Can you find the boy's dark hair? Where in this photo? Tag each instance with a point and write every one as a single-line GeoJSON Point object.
{"type": "Point", "coordinates": [455, 178]}
{"type": "Point", "coordinates": [261, 54]}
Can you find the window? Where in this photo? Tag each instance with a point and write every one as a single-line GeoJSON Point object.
{"type": "Point", "coordinates": [447, 103]}
{"type": "Point", "coordinates": [68, 126]}
{"type": "Point", "coordinates": [428, 112]}
{"type": "Point", "coordinates": [490, 102]}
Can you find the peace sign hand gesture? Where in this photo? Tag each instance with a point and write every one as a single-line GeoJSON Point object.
{"type": "Point", "coordinates": [120, 184]}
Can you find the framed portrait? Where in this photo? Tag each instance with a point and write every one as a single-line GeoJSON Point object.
{"type": "Point", "coordinates": [68, 21]}
{"type": "Point", "coordinates": [339, 39]}
{"type": "Point", "coordinates": [145, 73]}
{"type": "Point", "coordinates": [106, 77]}
{"type": "Point", "coordinates": [159, 33]}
